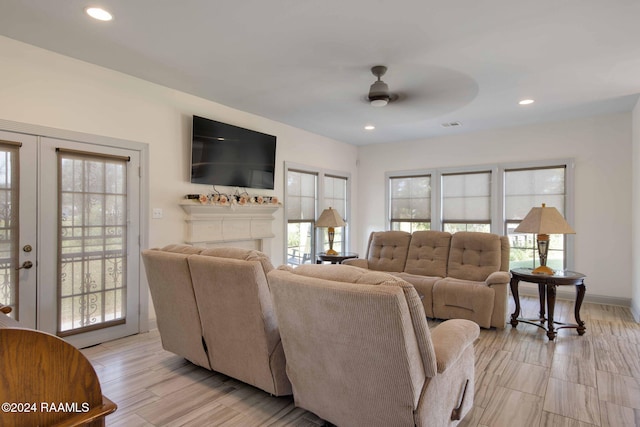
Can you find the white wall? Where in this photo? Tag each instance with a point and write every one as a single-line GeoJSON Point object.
{"type": "Point", "coordinates": [635, 198]}
{"type": "Point", "coordinates": [601, 148]}
{"type": "Point", "coordinates": [43, 88]}
{"type": "Point", "coordinates": [39, 87]}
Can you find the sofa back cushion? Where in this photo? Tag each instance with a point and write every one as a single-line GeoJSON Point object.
{"type": "Point", "coordinates": [428, 253]}
{"type": "Point", "coordinates": [182, 249]}
{"type": "Point", "coordinates": [505, 253]}
{"type": "Point", "coordinates": [241, 254]}
{"type": "Point", "coordinates": [239, 324]}
{"type": "Point", "coordinates": [332, 319]}
{"type": "Point", "coordinates": [387, 250]}
{"type": "Point", "coordinates": [360, 276]}
{"type": "Point", "coordinates": [175, 304]}
{"type": "Point", "coordinates": [474, 256]}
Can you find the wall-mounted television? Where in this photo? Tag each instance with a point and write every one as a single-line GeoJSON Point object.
{"type": "Point", "coordinates": [223, 154]}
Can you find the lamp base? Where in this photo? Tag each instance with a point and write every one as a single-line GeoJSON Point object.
{"type": "Point", "coordinates": [543, 269]}
{"type": "Point", "coordinates": [330, 251]}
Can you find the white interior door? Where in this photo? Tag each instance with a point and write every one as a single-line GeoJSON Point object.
{"type": "Point", "coordinates": [69, 215]}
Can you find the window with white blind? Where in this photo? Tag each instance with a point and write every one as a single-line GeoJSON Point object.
{"type": "Point", "coordinates": [301, 215]}
{"type": "Point", "coordinates": [410, 203]}
{"type": "Point", "coordinates": [526, 188]}
{"type": "Point", "coordinates": [486, 198]}
{"type": "Point", "coordinates": [335, 196]}
{"type": "Point", "coordinates": [310, 191]}
{"type": "Point", "coordinates": [466, 201]}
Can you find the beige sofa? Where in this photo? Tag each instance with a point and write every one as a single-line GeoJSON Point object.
{"type": "Point", "coordinates": [360, 353]}
{"type": "Point", "coordinates": [459, 276]}
{"type": "Point", "coordinates": [213, 307]}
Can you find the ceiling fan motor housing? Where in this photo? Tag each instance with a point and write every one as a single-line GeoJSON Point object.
{"type": "Point", "coordinates": [379, 90]}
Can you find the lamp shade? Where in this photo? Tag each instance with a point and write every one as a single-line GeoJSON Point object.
{"type": "Point", "coordinates": [330, 218]}
{"type": "Point", "coordinates": [544, 220]}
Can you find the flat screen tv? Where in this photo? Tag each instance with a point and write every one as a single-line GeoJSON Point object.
{"type": "Point", "coordinates": [223, 154]}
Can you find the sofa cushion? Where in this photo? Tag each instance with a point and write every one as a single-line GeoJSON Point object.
{"type": "Point", "coordinates": [474, 256]}
{"type": "Point", "coordinates": [387, 250]}
{"type": "Point", "coordinates": [356, 275]}
{"type": "Point", "coordinates": [428, 253]}
{"type": "Point", "coordinates": [182, 249]}
{"type": "Point", "coordinates": [424, 287]}
{"type": "Point", "coordinates": [463, 299]}
{"type": "Point", "coordinates": [239, 324]}
{"type": "Point", "coordinates": [241, 254]}
{"type": "Point", "coordinates": [175, 303]}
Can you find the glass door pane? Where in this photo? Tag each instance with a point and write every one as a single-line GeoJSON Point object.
{"type": "Point", "coordinates": [9, 221]}
{"type": "Point", "coordinates": [92, 242]}
{"type": "Point", "coordinates": [18, 230]}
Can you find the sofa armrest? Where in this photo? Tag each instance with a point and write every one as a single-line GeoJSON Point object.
{"type": "Point", "coordinates": [450, 339]}
{"type": "Point", "coordinates": [357, 262]}
{"type": "Point", "coordinates": [497, 278]}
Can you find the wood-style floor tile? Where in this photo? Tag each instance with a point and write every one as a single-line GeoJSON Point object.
{"type": "Point", "coordinates": [619, 389]}
{"type": "Point", "coordinates": [574, 369]}
{"type": "Point", "coordinates": [572, 401]}
{"type": "Point", "coordinates": [509, 408]}
{"type": "Point", "coordinates": [525, 377]}
{"type": "Point", "coordinates": [554, 420]}
{"type": "Point", "coordinates": [613, 415]}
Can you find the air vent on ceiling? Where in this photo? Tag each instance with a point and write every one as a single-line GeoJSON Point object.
{"type": "Point", "coordinates": [451, 124]}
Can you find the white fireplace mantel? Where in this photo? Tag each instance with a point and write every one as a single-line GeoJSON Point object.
{"type": "Point", "coordinates": [208, 224]}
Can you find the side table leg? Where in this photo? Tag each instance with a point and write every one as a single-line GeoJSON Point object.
{"type": "Point", "coordinates": [551, 305]}
{"type": "Point", "coordinates": [516, 298]}
{"type": "Point", "coordinates": [541, 294]}
{"type": "Point", "coordinates": [580, 291]}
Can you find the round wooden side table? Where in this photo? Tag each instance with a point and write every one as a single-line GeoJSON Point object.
{"type": "Point", "coordinates": [547, 289]}
{"type": "Point", "coordinates": [335, 259]}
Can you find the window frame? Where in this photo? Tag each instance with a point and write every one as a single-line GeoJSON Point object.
{"type": "Point", "coordinates": [316, 236]}
{"type": "Point", "coordinates": [569, 201]}
{"type": "Point", "coordinates": [498, 221]}
{"type": "Point", "coordinates": [468, 171]}
{"type": "Point", "coordinates": [407, 174]}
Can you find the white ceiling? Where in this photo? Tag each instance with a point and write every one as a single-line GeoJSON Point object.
{"type": "Point", "coordinates": [307, 63]}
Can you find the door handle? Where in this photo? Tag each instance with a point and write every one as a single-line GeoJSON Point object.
{"type": "Point", "coordinates": [26, 264]}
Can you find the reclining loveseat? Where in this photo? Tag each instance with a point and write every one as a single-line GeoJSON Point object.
{"type": "Point", "coordinates": [213, 307]}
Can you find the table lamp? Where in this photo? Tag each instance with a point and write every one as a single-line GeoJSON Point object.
{"type": "Point", "coordinates": [544, 221]}
{"type": "Point", "coordinates": [330, 218]}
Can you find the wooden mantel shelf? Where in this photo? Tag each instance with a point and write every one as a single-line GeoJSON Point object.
{"type": "Point", "coordinates": [209, 223]}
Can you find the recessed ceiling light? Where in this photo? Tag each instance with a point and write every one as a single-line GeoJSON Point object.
{"type": "Point", "coordinates": [99, 14]}
{"type": "Point", "coordinates": [369, 127]}
{"type": "Point", "coordinates": [526, 102]}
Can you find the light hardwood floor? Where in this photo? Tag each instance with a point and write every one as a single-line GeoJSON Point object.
{"type": "Point", "coordinates": [522, 379]}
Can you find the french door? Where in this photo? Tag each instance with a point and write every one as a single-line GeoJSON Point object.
{"type": "Point", "coordinates": [69, 245]}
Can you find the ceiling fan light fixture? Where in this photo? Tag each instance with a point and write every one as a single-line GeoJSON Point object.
{"type": "Point", "coordinates": [379, 102]}
{"type": "Point", "coordinates": [379, 95]}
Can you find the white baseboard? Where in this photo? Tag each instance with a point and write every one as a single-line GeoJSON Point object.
{"type": "Point", "coordinates": [153, 324]}
{"type": "Point", "coordinates": [635, 312]}
{"type": "Point", "coordinates": [568, 295]}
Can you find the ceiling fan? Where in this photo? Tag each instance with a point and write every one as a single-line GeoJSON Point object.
{"type": "Point", "coordinates": [379, 94]}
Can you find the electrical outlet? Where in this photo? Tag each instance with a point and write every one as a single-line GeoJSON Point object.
{"type": "Point", "coordinates": [157, 213]}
